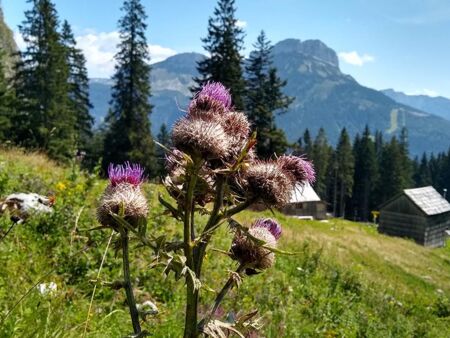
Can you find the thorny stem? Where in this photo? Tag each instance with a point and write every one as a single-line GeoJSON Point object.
{"type": "Point", "coordinates": [127, 284]}
{"type": "Point", "coordinates": [190, 325]}
{"type": "Point", "coordinates": [213, 220]}
{"type": "Point", "coordinates": [221, 295]}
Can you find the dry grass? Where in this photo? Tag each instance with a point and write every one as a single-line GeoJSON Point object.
{"type": "Point", "coordinates": [32, 159]}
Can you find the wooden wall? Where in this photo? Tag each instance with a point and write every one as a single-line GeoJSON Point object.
{"type": "Point", "coordinates": [401, 217]}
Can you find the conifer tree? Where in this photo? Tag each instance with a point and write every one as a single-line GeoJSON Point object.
{"type": "Point", "coordinates": [43, 118]}
{"type": "Point", "coordinates": [423, 173]}
{"type": "Point", "coordinates": [344, 170]}
{"type": "Point", "coordinates": [365, 175]}
{"type": "Point", "coordinates": [321, 158]}
{"type": "Point", "coordinates": [78, 82]}
{"type": "Point", "coordinates": [223, 44]}
{"type": "Point", "coordinates": [163, 138]}
{"type": "Point", "coordinates": [307, 143]}
{"type": "Point", "coordinates": [128, 137]}
{"type": "Point", "coordinates": [264, 97]}
{"type": "Point", "coordinates": [393, 178]}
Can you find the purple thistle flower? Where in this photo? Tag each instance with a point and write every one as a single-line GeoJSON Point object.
{"type": "Point", "coordinates": [270, 224]}
{"type": "Point", "coordinates": [216, 91]}
{"type": "Point", "coordinates": [127, 173]}
{"type": "Point", "coordinates": [299, 168]}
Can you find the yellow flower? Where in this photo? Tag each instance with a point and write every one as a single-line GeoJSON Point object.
{"type": "Point", "coordinates": [60, 186]}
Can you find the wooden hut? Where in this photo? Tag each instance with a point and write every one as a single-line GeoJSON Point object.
{"type": "Point", "coordinates": [421, 214]}
{"type": "Point", "coordinates": [306, 203]}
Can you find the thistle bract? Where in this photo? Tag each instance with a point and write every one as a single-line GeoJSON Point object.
{"type": "Point", "coordinates": [123, 196]}
{"type": "Point", "coordinates": [198, 137]}
{"type": "Point", "coordinates": [266, 181]}
{"type": "Point", "coordinates": [252, 254]}
{"type": "Point", "coordinates": [301, 170]}
{"type": "Point", "coordinates": [270, 224]}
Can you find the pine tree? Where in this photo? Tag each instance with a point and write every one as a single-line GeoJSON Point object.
{"type": "Point", "coordinates": [423, 173]}
{"type": "Point", "coordinates": [128, 137]}
{"type": "Point", "coordinates": [307, 143]}
{"type": "Point", "coordinates": [163, 138]}
{"type": "Point", "coordinates": [263, 97]}
{"type": "Point", "coordinates": [393, 177]}
{"type": "Point", "coordinates": [6, 103]}
{"type": "Point", "coordinates": [224, 44]}
{"type": "Point", "coordinates": [321, 158]}
{"type": "Point", "coordinates": [43, 118]}
{"type": "Point", "coordinates": [78, 82]}
{"type": "Point", "coordinates": [344, 166]}
{"type": "Point", "coordinates": [365, 175]}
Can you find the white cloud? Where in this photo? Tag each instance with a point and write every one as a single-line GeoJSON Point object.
{"type": "Point", "coordinates": [100, 48]}
{"type": "Point", "coordinates": [159, 53]}
{"type": "Point", "coordinates": [424, 91]}
{"type": "Point", "coordinates": [355, 59]}
{"type": "Point", "coordinates": [241, 23]}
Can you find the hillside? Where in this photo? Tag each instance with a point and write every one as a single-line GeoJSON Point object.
{"type": "Point", "coordinates": [324, 97]}
{"type": "Point", "coordinates": [7, 45]}
{"type": "Point", "coordinates": [346, 279]}
{"type": "Point", "coordinates": [438, 105]}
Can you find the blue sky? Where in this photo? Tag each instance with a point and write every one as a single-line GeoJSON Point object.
{"type": "Point", "coordinates": [401, 44]}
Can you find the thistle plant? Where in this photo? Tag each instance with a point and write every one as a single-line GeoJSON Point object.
{"type": "Point", "coordinates": [213, 170]}
{"type": "Point", "coordinates": [123, 207]}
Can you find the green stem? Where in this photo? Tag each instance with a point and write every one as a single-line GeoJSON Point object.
{"type": "Point", "coordinates": [190, 325]}
{"type": "Point", "coordinates": [221, 295]}
{"type": "Point", "coordinates": [127, 284]}
{"type": "Point", "coordinates": [213, 220]}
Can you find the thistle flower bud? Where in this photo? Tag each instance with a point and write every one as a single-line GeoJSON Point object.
{"type": "Point", "coordinates": [123, 193]}
{"type": "Point", "coordinates": [270, 224]}
{"type": "Point", "coordinates": [264, 180]}
{"type": "Point", "coordinates": [298, 168]}
{"type": "Point", "coordinates": [251, 254]}
{"type": "Point", "coordinates": [212, 91]}
{"type": "Point", "coordinates": [199, 137]}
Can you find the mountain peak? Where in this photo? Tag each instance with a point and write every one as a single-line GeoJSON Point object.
{"type": "Point", "coordinates": [312, 48]}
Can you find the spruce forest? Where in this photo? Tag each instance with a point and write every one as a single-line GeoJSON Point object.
{"type": "Point", "coordinates": [184, 233]}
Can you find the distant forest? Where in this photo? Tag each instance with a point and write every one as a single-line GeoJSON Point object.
{"type": "Point", "coordinates": [45, 106]}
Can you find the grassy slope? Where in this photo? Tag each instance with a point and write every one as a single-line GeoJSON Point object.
{"type": "Point", "coordinates": [347, 280]}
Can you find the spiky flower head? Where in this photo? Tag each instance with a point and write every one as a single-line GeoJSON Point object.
{"type": "Point", "coordinates": [123, 195]}
{"type": "Point", "coordinates": [199, 137]}
{"type": "Point", "coordinates": [265, 181]}
{"type": "Point", "coordinates": [127, 173]}
{"type": "Point", "coordinates": [252, 254]}
{"type": "Point", "coordinates": [270, 224]}
{"type": "Point", "coordinates": [298, 168]}
{"type": "Point", "coordinates": [217, 92]}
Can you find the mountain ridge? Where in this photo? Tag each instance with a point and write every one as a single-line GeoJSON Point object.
{"type": "Point", "coordinates": [324, 97]}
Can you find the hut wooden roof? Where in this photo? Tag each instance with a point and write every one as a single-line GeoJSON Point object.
{"type": "Point", "coordinates": [428, 200]}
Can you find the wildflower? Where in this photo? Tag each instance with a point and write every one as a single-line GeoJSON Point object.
{"type": "Point", "coordinates": [271, 225]}
{"type": "Point", "coordinates": [298, 168]}
{"type": "Point", "coordinates": [264, 180]}
{"type": "Point", "coordinates": [212, 93]}
{"type": "Point", "coordinates": [128, 173]}
{"type": "Point", "coordinates": [198, 137]}
{"type": "Point", "coordinates": [61, 186]}
{"type": "Point", "coordinates": [253, 255]}
{"type": "Point", "coordinates": [47, 288]}
{"type": "Point", "coordinates": [123, 194]}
